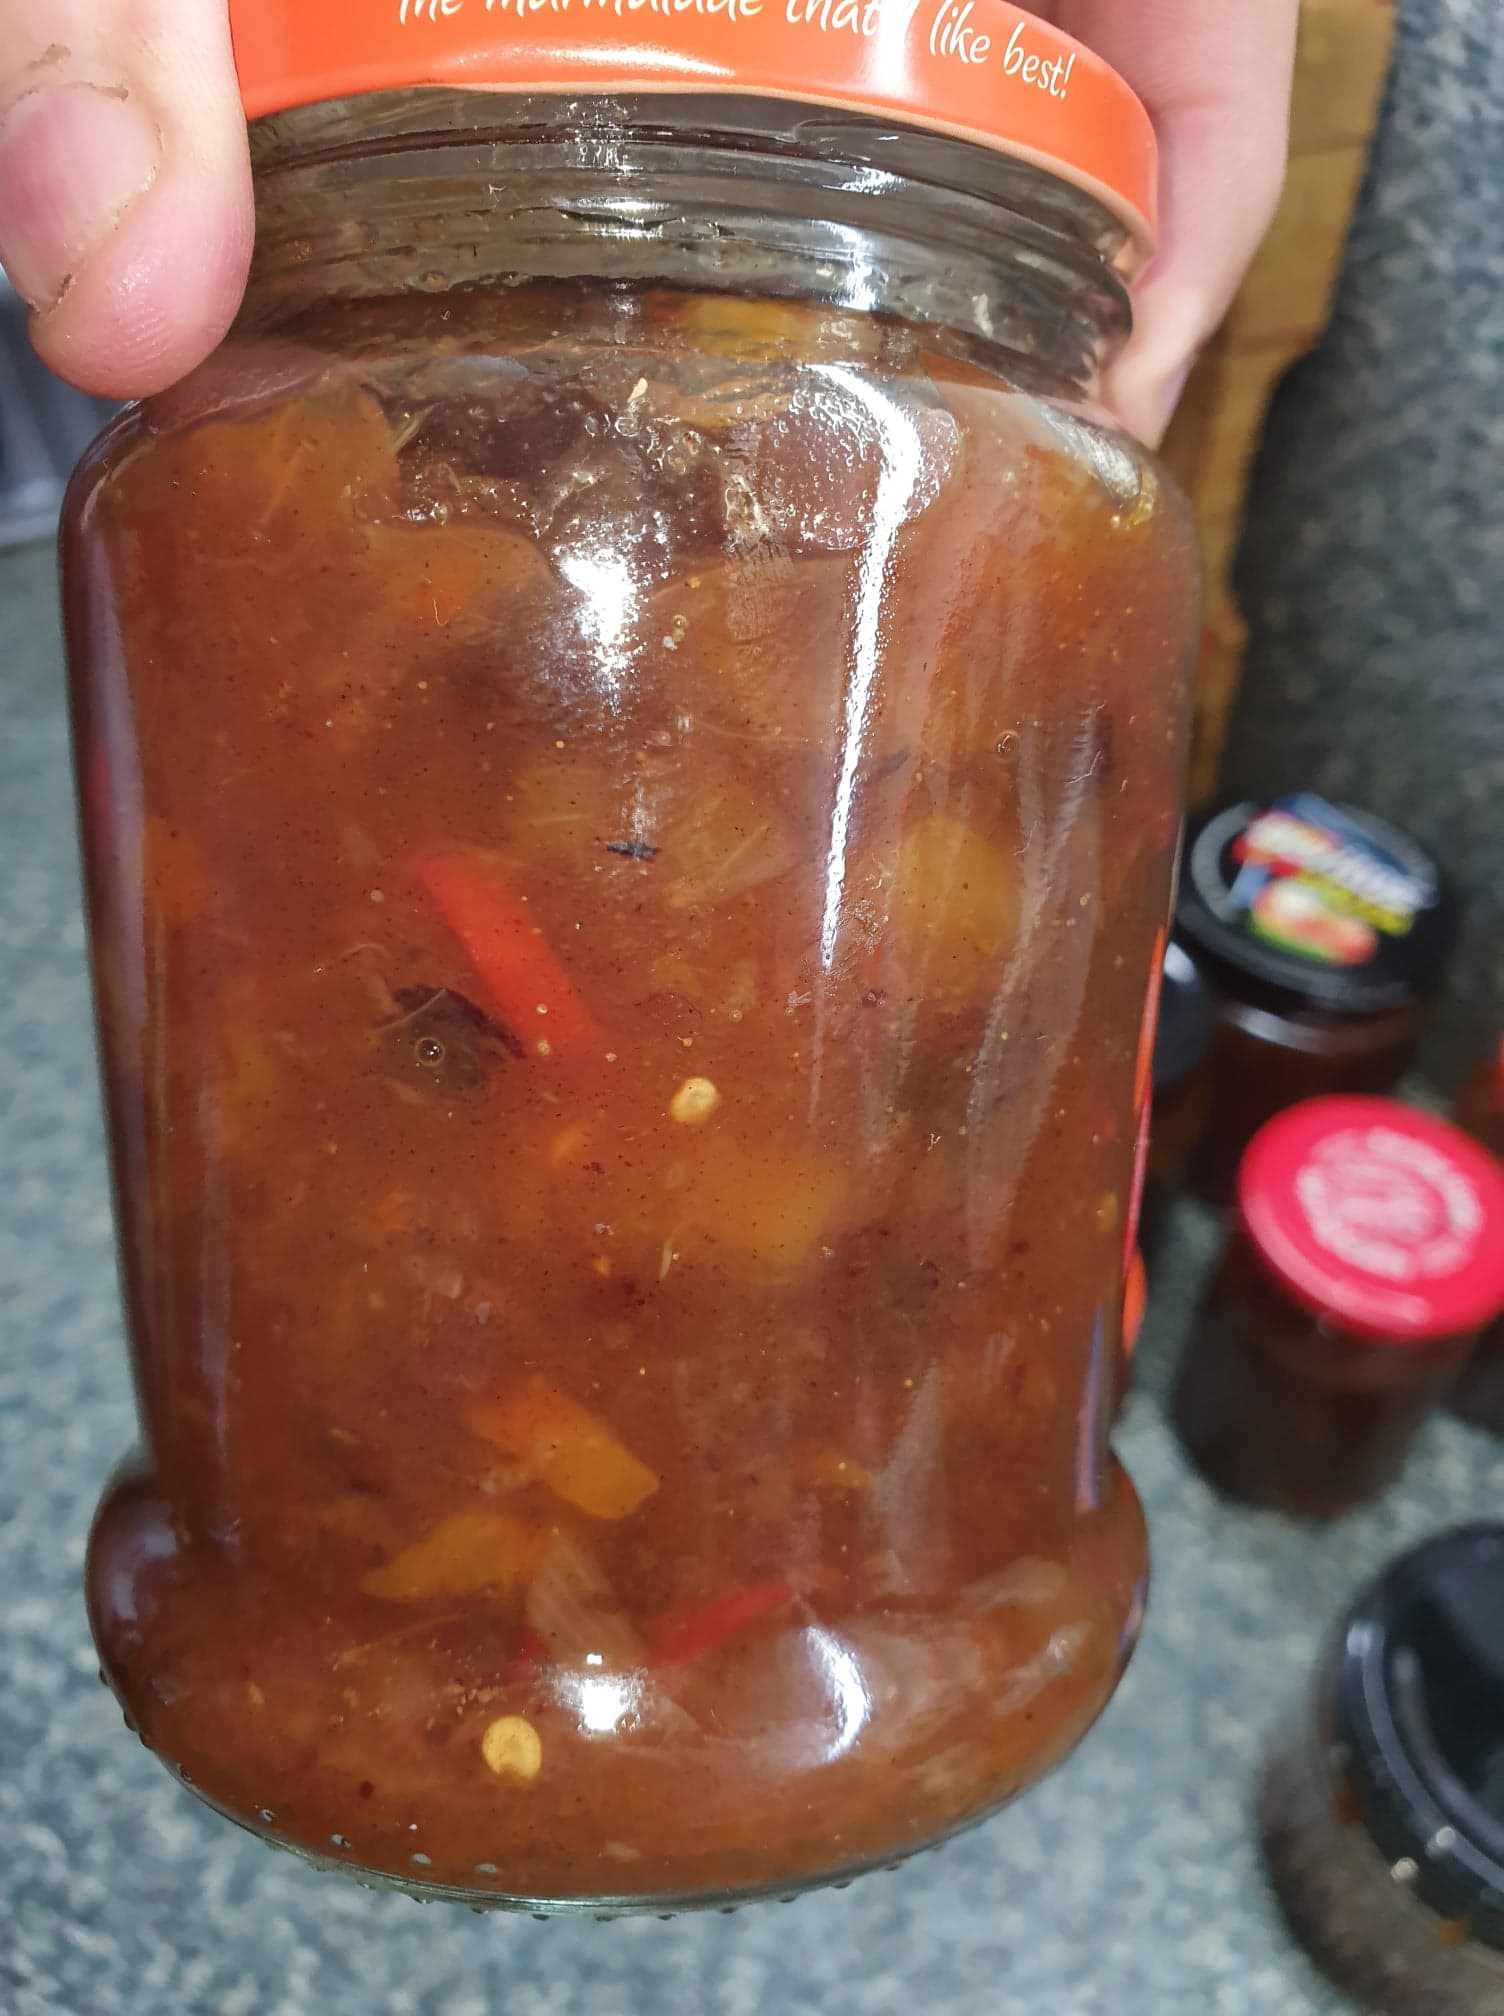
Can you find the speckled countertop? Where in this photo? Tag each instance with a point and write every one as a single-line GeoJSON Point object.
{"type": "Point", "coordinates": [1126, 1886]}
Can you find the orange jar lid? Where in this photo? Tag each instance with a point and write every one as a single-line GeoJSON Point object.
{"type": "Point", "coordinates": [978, 70]}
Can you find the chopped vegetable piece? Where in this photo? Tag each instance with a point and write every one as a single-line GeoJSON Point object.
{"type": "Point", "coordinates": [453, 575]}
{"type": "Point", "coordinates": [684, 1639]}
{"type": "Point", "coordinates": [695, 1100]}
{"type": "Point", "coordinates": [512, 1747]}
{"type": "Point", "coordinates": [569, 1447]}
{"type": "Point", "coordinates": [574, 1612]}
{"type": "Point", "coordinates": [368, 1521]}
{"type": "Point", "coordinates": [634, 850]}
{"type": "Point", "coordinates": [730, 325]}
{"type": "Point", "coordinates": [724, 840]}
{"type": "Point", "coordinates": [530, 1653]}
{"type": "Point", "coordinates": [525, 982]}
{"type": "Point", "coordinates": [826, 1469]}
{"type": "Point", "coordinates": [442, 1042]}
{"type": "Point", "coordinates": [465, 1553]}
{"type": "Point", "coordinates": [569, 1144]}
{"type": "Point", "coordinates": [955, 893]}
{"type": "Point", "coordinates": [768, 1208]}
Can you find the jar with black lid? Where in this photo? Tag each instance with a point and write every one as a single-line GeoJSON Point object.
{"type": "Point", "coordinates": [1382, 1802]}
{"type": "Point", "coordinates": [1324, 932]}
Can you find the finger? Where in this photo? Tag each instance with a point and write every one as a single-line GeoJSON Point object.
{"type": "Point", "coordinates": [125, 196]}
{"type": "Point", "coordinates": [1216, 80]}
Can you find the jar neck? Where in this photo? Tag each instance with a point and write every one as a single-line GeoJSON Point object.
{"type": "Point", "coordinates": [433, 189]}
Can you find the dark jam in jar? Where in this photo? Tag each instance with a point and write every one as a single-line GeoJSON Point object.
{"type": "Point", "coordinates": [1367, 1254]}
{"type": "Point", "coordinates": [1479, 1394]}
{"type": "Point", "coordinates": [1323, 931]}
{"type": "Point", "coordinates": [1382, 1801]}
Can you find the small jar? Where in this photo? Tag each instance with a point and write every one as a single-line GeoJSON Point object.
{"type": "Point", "coordinates": [1368, 1252]}
{"type": "Point", "coordinates": [1479, 1394]}
{"type": "Point", "coordinates": [1324, 933]}
{"type": "Point", "coordinates": [1381, 1811]}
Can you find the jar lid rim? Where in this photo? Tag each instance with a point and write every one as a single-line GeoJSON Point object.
{"type": "Point", "coordinates": [982, 71]}
{"type": "Point", "coordinates": [1415, 1661]}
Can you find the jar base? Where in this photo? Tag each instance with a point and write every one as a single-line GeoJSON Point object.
{"type": "Point", "coordinates": [799, 1756]}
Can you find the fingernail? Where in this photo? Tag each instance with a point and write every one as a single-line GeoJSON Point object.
{"type": "Point", "coordinates": [73, 159]}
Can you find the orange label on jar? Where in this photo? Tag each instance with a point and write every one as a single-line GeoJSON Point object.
{"type": "Point", "coordinates": [979, 70]}
{"type": "Point", "coordinates": [1143, 1091]}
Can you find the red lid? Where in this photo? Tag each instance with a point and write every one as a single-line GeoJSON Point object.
{"type": "Point", "coordinates": [1377, 1216]}
{"type": "Point", "coordinates": [979, 70]}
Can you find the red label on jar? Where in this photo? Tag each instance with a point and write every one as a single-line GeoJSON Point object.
{"type": "Point", "coordinates": [1378, 1216]}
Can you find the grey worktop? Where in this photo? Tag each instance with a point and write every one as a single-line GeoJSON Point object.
{"type": "Point", "coordinates": [1372, 572]}
{"type": "Point", "coordinates": [1126, 1886]}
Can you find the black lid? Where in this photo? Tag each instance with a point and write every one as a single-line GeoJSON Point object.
{"type": "Point", "coordinates": [1184, 1030]}
{"type": "Point", "coordinates": [1417, 1697]}
{"type": "Point", "coordinates": [1327, 904]}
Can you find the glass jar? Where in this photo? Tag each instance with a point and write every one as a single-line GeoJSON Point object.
{"type": "Point", "coordinates": [1478, 1395]}
{"type": "Point", "coordinates": [1324, 933]}
{"type": "Point", "coordinates": [1368, 1251]}
{"type": "Point", "coordinates": [1381, 1806]}
{"type": "Point", "coordinates": [629, 739]}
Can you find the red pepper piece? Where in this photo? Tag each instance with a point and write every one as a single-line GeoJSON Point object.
{"type": "Point", "coordinates": [683, 1639]}
{"type": "Point", "coordinates": [523, 980]}
{"type": "Point", "coordinates": [525, 1661]}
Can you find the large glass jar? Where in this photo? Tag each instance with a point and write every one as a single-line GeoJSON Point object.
{"type": "Point", "coordinates": [629, 724]}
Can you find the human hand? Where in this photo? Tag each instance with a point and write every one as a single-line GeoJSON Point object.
{"type": "Point", "coordinates": [1215, 76]}
{"type": "Point", "coordinates": [125, 185]}
{"type": "Point", "coordinates": [125, 201]}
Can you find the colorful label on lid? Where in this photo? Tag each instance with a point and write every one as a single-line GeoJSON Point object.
{"type": "Point", "coordinates": [1327, 902]}
{"type": "Point", "coordinates": [1315, 883]}
{"type": "Point", "coordinates": [1381, 1201]}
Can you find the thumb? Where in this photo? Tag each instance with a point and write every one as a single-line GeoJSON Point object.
{"type": "Point", "coordinates": [1216, 80]}
{"type": "Point", "coordinates": [125, 194]}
